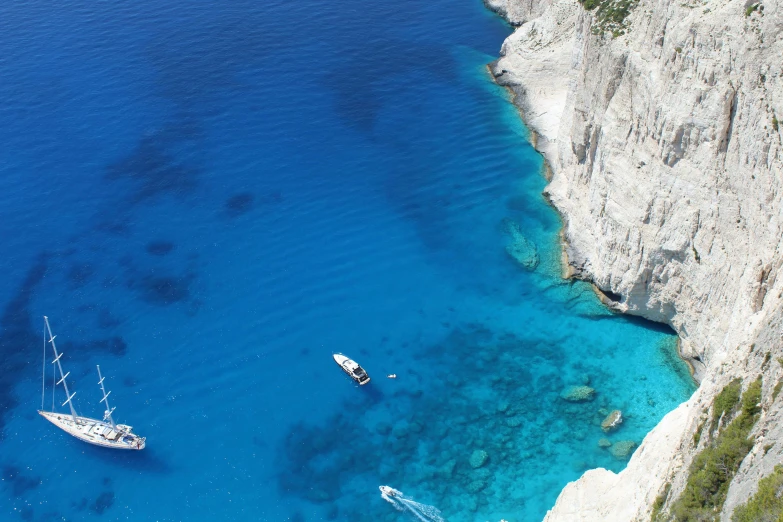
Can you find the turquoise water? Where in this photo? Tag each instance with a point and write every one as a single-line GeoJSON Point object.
{"type": "Point", "coordinates": [208, 199]}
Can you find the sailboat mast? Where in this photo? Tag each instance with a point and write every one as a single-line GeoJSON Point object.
{"type": "Point", "coordinates": [69, 400]}
{"type": "Point", "coordinates": [43, 372]}
{"type": "Point", "coordinates": [105, 399]}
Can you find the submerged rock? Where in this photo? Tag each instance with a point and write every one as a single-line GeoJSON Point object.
{"type": "Point", "coordinates": [383, 428]}
{"type": "Point", "coordinates": [622, 449]}
{"type": "Point", "coordinates": [448, 468]}
{"type": "Point", "coordinates": [578, 394]}
{"type": "Point", "coordinates": [415, 427]}
{"type": "Point", "coordinates": [521, 249]}
{"type": "Point", "coordinates": [612, 421]}
{"type": "Point", "coordinates": [478, 458]}
{"type": "Point", "coordinates": [604, 443]}
{"type": "Point", "coordinates": [476, 486]}
{"type": "Point", "coordinates": [401, 430]}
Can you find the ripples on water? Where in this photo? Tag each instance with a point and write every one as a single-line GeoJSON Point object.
{"type": "Point", "coordinates": [209, 199]}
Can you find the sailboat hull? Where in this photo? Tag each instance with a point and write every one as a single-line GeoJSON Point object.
{"type": "Point", "coordinates": [95, 432]}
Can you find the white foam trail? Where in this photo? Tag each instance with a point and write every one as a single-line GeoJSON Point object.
{"type": "Point", "coordinates": [422, 512]}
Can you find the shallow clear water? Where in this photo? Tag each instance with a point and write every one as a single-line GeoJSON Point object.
{"type": "Point", "coordinates": [210, 198]}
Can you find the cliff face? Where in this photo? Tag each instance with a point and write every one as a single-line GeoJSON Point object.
{"type": "Point", "coordinates": [667, 167]}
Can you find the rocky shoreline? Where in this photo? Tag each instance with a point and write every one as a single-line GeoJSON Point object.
{"type": "Point", "coordinates": [662, 137]}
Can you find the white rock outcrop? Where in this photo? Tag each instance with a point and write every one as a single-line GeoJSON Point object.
{"type": "Point", "coordinates": [665, 155]}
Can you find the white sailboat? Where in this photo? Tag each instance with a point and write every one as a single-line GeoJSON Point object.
{"type": "Point", "coordinates": [104, 432]}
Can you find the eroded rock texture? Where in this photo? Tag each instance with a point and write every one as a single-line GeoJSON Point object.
{"type": "Point", "coordinates": [665, 154]}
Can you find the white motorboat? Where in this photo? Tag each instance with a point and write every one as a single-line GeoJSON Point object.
{"type": "Point", "coordinates": [104, 432]}
{"type": "Point", "coordinates": [352, 368]}
{"type": "Point", "coordinates": [421, 512]}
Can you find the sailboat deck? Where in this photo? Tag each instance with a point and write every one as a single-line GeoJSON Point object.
{"type": "Point", "coordinates": [94, 431]}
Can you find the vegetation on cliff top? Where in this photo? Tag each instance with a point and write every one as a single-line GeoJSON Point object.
{"type": "Point", "coordinates": [714, 467]}
{"type": "Point", "coordinates": [610, 15]}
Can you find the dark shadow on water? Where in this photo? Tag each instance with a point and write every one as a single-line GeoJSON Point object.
{"type": "Point", "coordinates": [161, 163]}
{"type": "Point", "coordinates": [239, 204]}
{"type": "Point", "coordinates": [159, 247]}
{"type": "Point", "coordinates": [371, 68]}
{"type": "Point", "coordinates": [18, 336]}
{"type": "Point", "coordinates": [147, 460]}
{"type": "Point", "coordinates": [106, 319]}
{"type": "Point", "coordinates": [611, 295]}
{"type": "Point", "coordinates": [636, 321]}
{"type": "Point", "coordinates": [162, 290]}
{"type": "Point", "coordinates": [114, 226]}
{"type": "Point", "coordinates": [130, 381]}
{"type": "Point", "coordinates": [648, 324]}
{"type": "Point", "coordinates": [18, 481]}
{"type": "Point", "coordinates": [79, 274]}
{"type": "Point", "coordinates": [373, 394]}
{"type": "Point", "coordinates": [28, 514]}
{"type": "Point", "coordinates": [104, 501]}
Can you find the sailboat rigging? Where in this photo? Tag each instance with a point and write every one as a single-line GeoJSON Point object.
{"type": "Point", "coordinates": [106, 432]}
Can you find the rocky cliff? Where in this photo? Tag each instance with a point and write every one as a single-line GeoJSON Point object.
{"type": "Point", "coordinates": [659, 122]}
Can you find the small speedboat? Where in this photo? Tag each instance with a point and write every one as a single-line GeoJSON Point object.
{"type": "Point", "coordinates": [352, 368]}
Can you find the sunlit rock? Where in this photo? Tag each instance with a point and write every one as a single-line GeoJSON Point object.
{"type": "Point", "coordinates": [478, 458]}
{"type": "Point", "coordinates": [612, 421]}
{"type": "Point", "coordinates": [578, 394]}
{"type": "Point", "coordinates": [622, 449]}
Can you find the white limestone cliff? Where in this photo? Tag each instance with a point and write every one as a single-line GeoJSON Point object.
{"type": "Point", "coordinates": [666, 167]}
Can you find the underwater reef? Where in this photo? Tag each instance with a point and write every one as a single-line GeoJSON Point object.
{"type": "Point", "coordinates": [496, 428]}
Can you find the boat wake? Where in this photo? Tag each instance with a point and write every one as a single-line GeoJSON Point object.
{"type": "Point", "coordinates": [419, 511]}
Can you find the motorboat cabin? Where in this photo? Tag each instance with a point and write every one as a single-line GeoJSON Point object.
{"type": "Point", "coordinates": [352, 368]}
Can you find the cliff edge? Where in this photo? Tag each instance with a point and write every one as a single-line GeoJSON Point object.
{"type": "Point", "coordinates": [659, 121]}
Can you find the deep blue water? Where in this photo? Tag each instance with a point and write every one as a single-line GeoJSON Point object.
{"type": "Point", "coordinates": [210, 198]}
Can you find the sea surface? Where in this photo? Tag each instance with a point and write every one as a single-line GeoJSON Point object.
{"type": "Point", "coordinates": [210, 198]}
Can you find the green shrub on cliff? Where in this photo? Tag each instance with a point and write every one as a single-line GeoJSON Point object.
{"type": "Point", "coordinates": [714, 467]}
{"type": "Point", "coordinates": [726, 402]}
{"type": "Point", "coordinates": [610, 15]}
{"type": "Point", "coordinates": [767, 503]}
{"type": "Point", "coordinates": [776, 390]}
{"type": "Point", "coordinates": [660, 500]}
